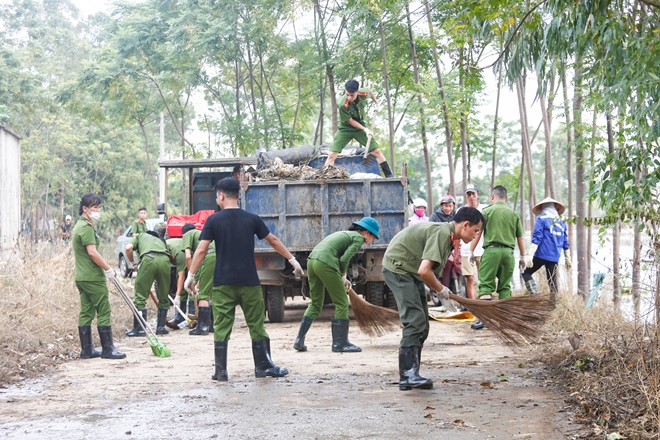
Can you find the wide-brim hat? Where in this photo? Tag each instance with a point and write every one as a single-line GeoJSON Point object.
{"type": "Point", "coordinates": [370, 224]}
{"type": "Point", "coordinates": [537, 209]}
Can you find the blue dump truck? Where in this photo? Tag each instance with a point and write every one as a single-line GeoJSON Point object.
{"type": "Point", "coordinates": [302, 213]}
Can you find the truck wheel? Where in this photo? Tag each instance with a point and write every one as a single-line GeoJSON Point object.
{"type": "Point", "coordinates": [123, 267]}
{"type": "Point", "coordinates": [375, 291]}
{"type": "Point", "coordinates": [275, 296]}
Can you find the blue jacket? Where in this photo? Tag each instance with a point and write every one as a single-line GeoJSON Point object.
{"type": "Point", "coordinates": [551, 236]}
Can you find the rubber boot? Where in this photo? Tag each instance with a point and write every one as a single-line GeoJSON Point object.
{"type": "Point", "coordinates": [203, 317]}
{"type": "Point", "coordinates": [210, 318]}
{"type": "Point", "coordinates": [160, 324]}
{"type": "Point", "coordinates": [220, 349]}
{"type": "Point", "coordinates": [304, 328]}
{"type": "Point", "coordinates": [387, 171]}
{"type": "Point", "coordinates": [480, 325]}
{"type": "Point", "coordinates": [340, 343]}
{"type": "Point", "coordinates": [263, 364]}
{"type": "Point", "coordinates": [409, 377]}
{"type": "Point", "coordinates": [87, 352]}
{"type": "Point", "coordinates": [531, 287]}
{"type": "Point", "coordinates": [178, 319]}
{"type": "Point", "coordinates": [137, 328]}
{"type": "Point", "coordinates": [109, 350]}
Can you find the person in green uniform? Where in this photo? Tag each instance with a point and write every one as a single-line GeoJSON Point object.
{"type": "Point", "coordinates": [140, 225]}
{"type": "Point", "coordinates": [177, 272]}
{"type": "Point", "coordinates": [154, 265]}
{"type": "Point", "coordinates": [326, 269]}
{"type": "Point", "coordinates": [91, 273]}
{"type": "Point", "coordinates": [204, 279]}
{"type": "Point", "coordinates": [235, 279]}
{"type": "Point", "coordinates": [416, 257]}
{"type": "Point", "coordinates": [182, 299]}
{"type": "Point", "coordinates": [351, 125]}
{"type": "Point", "coordinates": [503, 228]}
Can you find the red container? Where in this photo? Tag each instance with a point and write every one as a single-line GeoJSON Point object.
{"type": "Point", "coordinates": [176, 222]}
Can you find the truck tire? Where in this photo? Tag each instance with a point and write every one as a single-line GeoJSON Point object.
{"type": "Point", "coordinates": [375, 293]}
{"type": "Point", "coordinates": [275, 304]}
{"type": "Point", "coordinates": [124, 271]}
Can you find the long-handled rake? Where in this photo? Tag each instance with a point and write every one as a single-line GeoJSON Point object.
{"type": "Point", "coordinates": [373, 320]}
{"type": "Point", "coordinates": [157, 347]}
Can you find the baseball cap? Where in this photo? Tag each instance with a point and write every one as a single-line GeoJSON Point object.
{"type": "Point", "coordinates": [447, 199]}
{"type": "Point", "coordinates": [471, 187]}
{"type": "Point", "coordinates": [68, 217]}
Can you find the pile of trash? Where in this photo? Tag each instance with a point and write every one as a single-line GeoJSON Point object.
{"type": "Point", "coordinates": [284, 171]}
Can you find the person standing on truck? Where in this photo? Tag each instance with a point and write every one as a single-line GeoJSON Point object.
{"type": "Point", "coordinates": [419, 212]}
{"type": "Point", "coordinates": [155, 259]}
{"type": "Point", "coordinates": [351, 119]}
{"type": "Point", "coordinates": [502, 230]}
{"type": "Point", "coordinates": [326, 270]}
{"type": "Point", "coordinates": [235, 280]}
{"type": "Point", "coordinates": [91, 274]}
{"type": "Point", "coordinates": [414, 258]}
{"type": "Point", "coordinates": [140, 225]}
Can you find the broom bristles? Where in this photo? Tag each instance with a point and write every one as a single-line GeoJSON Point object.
{"type": "Point", "coordinates": [511, 317]}
{"type": "Point", "coordinates": [373, 320]}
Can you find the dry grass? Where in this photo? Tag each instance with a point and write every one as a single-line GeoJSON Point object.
{"type": "Point", "coordinates": [613, 376]}
{"type": "Point", "coordinates": [39, 312]}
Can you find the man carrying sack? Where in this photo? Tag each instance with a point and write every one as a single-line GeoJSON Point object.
{"type": "Point", "coordinates": [416, 257]}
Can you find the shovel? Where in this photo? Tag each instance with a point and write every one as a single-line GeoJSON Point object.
{"type": "Point", "coordinates": [368, 157]}
{"type": "Point", "coordinates": [190, 320]}
{"type": "Point", "coordinates": [157, 347]}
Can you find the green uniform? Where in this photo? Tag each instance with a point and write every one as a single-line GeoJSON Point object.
{"type": "Point", "coordinates": [345, 132]}
{"type": "Point", "coordinates": [90, 279]}
{"type": "Point", "coordinates": [325, 266]}
{"type": "Point", "coordinates": [225, 299]}
{"type": "Point", "coordinates": [176, 246]}
{"type": "Point", "coordinates": [404, 255]}
{"type": "Point", "coordinates": [154, 266]}
{"type": "Point", "coordinates": [139, 226]}
{"type": "Point", "coordinates": [204, 274]}
{"type": "Point", "coordinates": [501, 231]}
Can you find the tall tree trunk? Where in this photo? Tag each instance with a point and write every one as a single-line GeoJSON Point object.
{"type": "Point", "coordinates": [318, 134]}
{"type": "Point", "coordinates": [445, 110]}
{"type": "Point", "coordinates": [427, 159]}
{"type": "Point", "coordinates": [524, 131]}
{"type": "Point", "coordinates": [637, 262]}
{"type": "Point", "coordinates": [569, 159]}
{"type": "Point", "coordinates": [329, 68]}
{"type": "Point", "coordinates": [462, 121]}
{"type": "Point", "coordinates": [580, 175]}
{"type": "Point", "coordinates": [386, 83]}
{"type": "Point", "coordinates": [616, 232]}
{"type": "Point", "coordinates": [495, 124]}
{"type": "Point", "coordinates": [522, 185]}
{"type": "Point", "coordinates": [594, 132]}
{"type": "Point", "coordinates": [549, 179]}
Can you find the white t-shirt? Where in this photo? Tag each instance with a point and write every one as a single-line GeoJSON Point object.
{"type": "Point", "coordinates": [465, 247]}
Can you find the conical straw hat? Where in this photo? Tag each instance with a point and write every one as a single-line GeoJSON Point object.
{"type": "Point", "coordinates": [537, 208]}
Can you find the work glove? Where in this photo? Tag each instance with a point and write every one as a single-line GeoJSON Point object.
{"type": "Point", "coordinates": [375, 110]}
{"type": "Point", "coordinates": [522, 265]}
{"type": "Point", "coordinates": [297, 268]}
{"type": "Point", "coordinates": [347, 284]}
{"type": "Point", "coordinates": [567, 261]}
{"type": "Point", "coordinates": [190, 281]}
{"type": "Point", "coordinates": [177, 301]}
{"type": "Point", "coordinates": [529, 260]}
{"type": "Point", "coordinates": [369, 132]}
{"type": "Point", "coordinates": [444, 293]}
{"type": "Point", "coordinates": [110, 274]}
{"type": "Point", "coordinates": [472, 259]}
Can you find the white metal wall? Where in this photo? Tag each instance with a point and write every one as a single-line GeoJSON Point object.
{"type": "Point", "coordinates": [10, 189]}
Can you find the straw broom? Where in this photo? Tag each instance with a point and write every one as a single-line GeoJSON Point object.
{"type": "Point", "coordinates": [373, 320]}
{"type": "Point", "coordinates": [508, 318]}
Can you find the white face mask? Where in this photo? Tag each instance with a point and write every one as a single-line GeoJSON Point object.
{"type": "Point", "coordinates": [95, 215]}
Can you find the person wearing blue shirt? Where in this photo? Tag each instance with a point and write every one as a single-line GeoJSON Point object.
{"type": "Point", "coordinates": [549, 238]}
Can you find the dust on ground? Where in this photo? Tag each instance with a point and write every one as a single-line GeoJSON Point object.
{"type": "Point", "coordinates": [482, 390]}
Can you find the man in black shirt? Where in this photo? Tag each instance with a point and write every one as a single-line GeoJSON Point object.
{"type": "Point", "coordinates": [235, 280]}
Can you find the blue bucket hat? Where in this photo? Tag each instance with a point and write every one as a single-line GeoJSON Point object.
{"type": "Point", "coordinates": [370, 224]}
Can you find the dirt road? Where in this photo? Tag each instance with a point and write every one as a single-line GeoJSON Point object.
{"type": "Point", "coordinates": [483, 390]}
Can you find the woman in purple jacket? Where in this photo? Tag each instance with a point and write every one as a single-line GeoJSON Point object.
{"type": "Point", "coordinates": [549, 238]}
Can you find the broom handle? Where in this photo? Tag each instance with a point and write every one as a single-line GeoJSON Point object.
{"type": "Point", "coordinates": [177, 307]}
{"type": "Point", "coordinates": [134, 309]}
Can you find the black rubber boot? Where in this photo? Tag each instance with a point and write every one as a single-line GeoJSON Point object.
{"type": "Point", "coordinates": [87, 352]}
{"type": "Point", "coordinates": [340, 343]}
{"type": "Point", "coordinates": [409, 377]}
{"type": "Point", "coordinates": [263, 364]}
{"type": "Point", "coordinates": [304, 328]}
{"type": "Point", "coordinates": [137, 328]}
{"type": "Point", "coordinates": [220, 349]}
{"type": "Point", "coordinates": [480, 325]}
{"type": "Point", "coordinates": [203, 317]}
{"type": "Point", "coordinates": [387, 171]}
{"type": "Point", "coordinates": [178, 319]}
{"type": "Point", "coordinates": [160, 324]}
{"type": "Point", "coordinates": [210, 318]}
{"type": "Point", "coordinates": [109, 350]}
